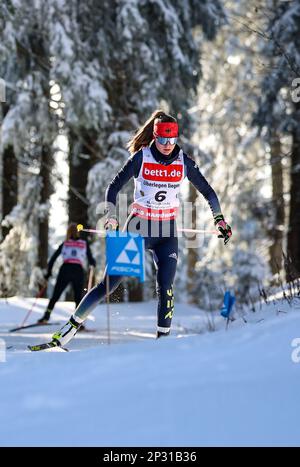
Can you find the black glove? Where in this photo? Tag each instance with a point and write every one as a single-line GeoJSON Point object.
{"type": "Point", "coordinates": [223, 227]}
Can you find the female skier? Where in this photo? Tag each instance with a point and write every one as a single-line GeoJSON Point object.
{"type": "Point", "coordinates": [155, 160]}
{"type": "Point", "coordinates": [74, 252]}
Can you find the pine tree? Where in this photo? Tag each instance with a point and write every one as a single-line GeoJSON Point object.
{"type": "Point", "coordinates": [9, 177]}
{"type": "Point", "coordinates": [9, 164]}
{"type": "Point", "coordinates": [279, 108]}
{"type": "Point", "coordinates": [30, 127]}
{"type": "Point", "coordinates": [232, 159]}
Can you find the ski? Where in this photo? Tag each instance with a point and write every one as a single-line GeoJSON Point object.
{"type": "Point", "coordinates": [34, 325]}
{"type": "Point", "coordinates": [47, 345]}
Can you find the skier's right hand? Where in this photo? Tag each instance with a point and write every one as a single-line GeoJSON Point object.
{"type": "Point", "coordinates": [111, 223]}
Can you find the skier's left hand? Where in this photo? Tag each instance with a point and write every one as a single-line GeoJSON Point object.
{"type": "Point", "coordinates": [223, 228]}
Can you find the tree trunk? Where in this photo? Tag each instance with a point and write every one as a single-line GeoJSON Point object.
{"type": "Point", "coordinates": [46, 191]}
{"type": "Point", "coordinates": [82, 157]}
{"type": "Point", "coordinates": [192, 254]}
{"type": "Point", "coordinates": [294, 219]}
{"type": "Point", "coordinates": [9, 184]}
{"type": "Point", "coordinates": [135, 291]}
{"type": "Point", "coordinates": [278, 204]}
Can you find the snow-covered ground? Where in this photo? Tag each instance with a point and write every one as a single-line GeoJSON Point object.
{"type": "Point", "coordinates": [196, 388]}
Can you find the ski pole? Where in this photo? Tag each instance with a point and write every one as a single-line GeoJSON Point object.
{"type": "Point", "coordinates": [198, 231]}
{"type": "Point", "coordinates": [40, 293]}
{"type": "Point", "coordinates": [81, 229]}
{"type": "Point", "coordinates": [108, 309]}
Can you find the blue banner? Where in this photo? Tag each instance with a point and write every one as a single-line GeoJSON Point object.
{"type": "Point", "coordinates": [125, 254]}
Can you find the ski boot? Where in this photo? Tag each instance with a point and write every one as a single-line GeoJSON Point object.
{"type": "Point", "coordinates": [67, 332]}
{"type": "Point", "coordinates": [45, 318]}
{"type": "Point", "coordinates": [162, 334]}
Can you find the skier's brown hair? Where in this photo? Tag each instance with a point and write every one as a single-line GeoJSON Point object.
{"type": "Point", "coordinates": [72, 231]}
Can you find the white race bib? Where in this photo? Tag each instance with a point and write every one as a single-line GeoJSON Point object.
{"type": "Point", "coordinates": [157, 188]}
{"type": "Point", "coordinates": [74, 251]}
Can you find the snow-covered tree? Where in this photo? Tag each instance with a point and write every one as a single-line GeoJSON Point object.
{"type": "Point", "coordinates": [28, 126]}
{"type": "Point", "coordinates": [80, 44]}
{"type": "Point", "coordinates": [18, 251]}
{"type": "Point", "coordinates": [233, 160]}
{"type": "Point", "coordinates": [9, 164]}
{"type": "Point", "coordinates": [279, 109]}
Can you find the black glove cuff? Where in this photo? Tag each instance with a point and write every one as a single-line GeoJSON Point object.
{"type": "Point", "coordinates": [218, 218]}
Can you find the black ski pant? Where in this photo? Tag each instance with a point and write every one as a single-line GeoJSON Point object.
{"type": "Point", "coordinates": [69, 273]}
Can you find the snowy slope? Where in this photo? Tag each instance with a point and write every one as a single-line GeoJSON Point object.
{"type": "Point", "coordinates": [224, 388]}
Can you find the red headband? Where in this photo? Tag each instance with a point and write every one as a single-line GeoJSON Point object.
{"type": "Point", "coordinates": [166, 129]}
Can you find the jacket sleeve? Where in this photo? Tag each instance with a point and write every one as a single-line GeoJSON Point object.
{"type": "Point", "coordinates": [90, 256]}
{"type": "Point", "coordinates": [200, 183]}
{"type": "Point", "coordinates": [130, 169]}
{"type": "Point", "coordinates": [53, 259]}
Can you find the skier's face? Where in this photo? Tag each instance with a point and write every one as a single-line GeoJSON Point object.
{"type": "Point", "coordinates": [165, 149]}
{"type": "Point", "coordinates": [165, 135]}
